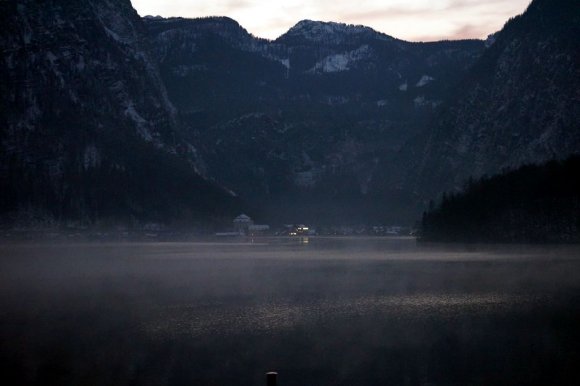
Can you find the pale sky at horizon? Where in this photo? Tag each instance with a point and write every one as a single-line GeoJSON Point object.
{"type": "Point", "coordinates": [414, 20]}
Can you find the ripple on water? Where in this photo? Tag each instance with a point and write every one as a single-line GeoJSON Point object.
{"type": "Point", "coordinates": [271, 317]}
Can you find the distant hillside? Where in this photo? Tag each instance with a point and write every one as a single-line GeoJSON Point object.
{"type": "Point", "coordinates": [531, 204]}
{"type": "Point", "coordinates": [341, 122]}
{"type": "Point", "coordinates": [302, 126]}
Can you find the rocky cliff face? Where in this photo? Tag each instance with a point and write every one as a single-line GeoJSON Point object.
{"type": "Point", "coordinates": [518, 104]}
{"type": "Point", "coordinates": [87, 131]}
{"type": "Point", "coordinates": [308, 120]}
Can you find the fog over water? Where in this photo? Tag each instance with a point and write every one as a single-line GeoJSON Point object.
{"type": "Point", "coordinates": [320, 311]}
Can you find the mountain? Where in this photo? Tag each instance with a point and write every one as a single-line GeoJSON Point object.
{"type": "Point", "coordinates": [87, 132]}
{"type": "Point", "coordinates": [106, 117]}
{"type": "Point", "coordinates": [300, 126]}
{"type": "Point", "coordinates": [518, 104]}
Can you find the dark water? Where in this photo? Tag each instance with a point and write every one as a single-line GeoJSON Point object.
{"type": "Point", "coordinates": [318, 311]}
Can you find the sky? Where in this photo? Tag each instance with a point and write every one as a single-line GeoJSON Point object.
{"type": "Point", "coordinates": [413, 20]}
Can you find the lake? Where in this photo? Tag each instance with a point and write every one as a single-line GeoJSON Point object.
{"type": "Point", "coordinates": [320, 311]}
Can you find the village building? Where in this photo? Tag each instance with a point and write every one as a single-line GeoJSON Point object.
{"type": "Point", "coordinates": [242, 223]}
{"type": "Point", "coordinates": [257, 230]}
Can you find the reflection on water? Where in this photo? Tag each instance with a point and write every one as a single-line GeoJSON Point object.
{"type": "Point", "coordinates": [321, 311]}
{"type": "Point", "coordinates": [194, 320]}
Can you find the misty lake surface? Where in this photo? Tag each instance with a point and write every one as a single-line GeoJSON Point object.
{"type": "Point", "coordinates": [320, 311]}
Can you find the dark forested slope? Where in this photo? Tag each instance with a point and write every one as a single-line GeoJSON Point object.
{"type": "Point", "coordinates": [535, 203]}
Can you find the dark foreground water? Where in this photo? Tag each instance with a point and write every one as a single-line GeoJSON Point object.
{"type": "Point", "coordinates": [322, 312]}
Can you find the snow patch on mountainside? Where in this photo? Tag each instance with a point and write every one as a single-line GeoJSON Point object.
{"type": "Point", "coordinates": [141, 123]}
{"type": "Point", "coordinates": [342, 62]}
{"type": "Point", "coordinates": [334, 63]}
{"type": "Point", "coordinates": [425, 80]}
{"type": "Point", "coordinates": [420, 101]}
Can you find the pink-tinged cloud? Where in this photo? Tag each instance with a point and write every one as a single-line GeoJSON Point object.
{"type": "Point", "coordinates": [413, 20]}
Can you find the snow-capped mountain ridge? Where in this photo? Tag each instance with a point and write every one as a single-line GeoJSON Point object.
{"type": "Point", "coordinates": [313, 28]}
{"type": "Point", "coordinates": [310, 31]}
